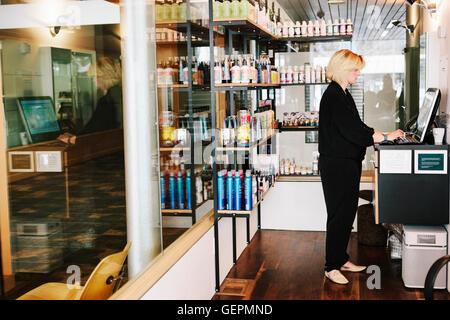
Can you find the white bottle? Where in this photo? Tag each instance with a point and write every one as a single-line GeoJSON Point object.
{"type": "Point", "coordinates": [342, 28]}
{"type": "Point", "coordinates": [310, 29]}
{"type": "Point", "coordinates": [304, 29]}
{"type": "Point", "coordinates": [301, 74]}
{"type": "Point", "coordinates": [307, 73]}
{"type": "Point", "coordinates": [291, 29]}
{"type": "Point", "coordinates": [285, 29]}
{"type": "Point", "coordinates": [279, 29]}
{"type": "Point", "coordinates": [329, 28]}
{"type": "Point", "coordinates": [349, 28]}
{"type": "Point", "coordinates": [289, 75]}
{"type": "Point", "coordinates": [313, 75]}
{"type": "Point", "coordinates": [282, 75]}
{"type": "Point", "coordinates": [323, 28]}
{"type": "Point", "coordinates": [298, 29]}
{"type": "Point", "coordinates": [316, 29]}
{"type": "Point", "coordinates": [295, 75]}
{"type": "Point", "coordinates": [336, 27]}
{"type": "Point", "coordinates": [318, 74]}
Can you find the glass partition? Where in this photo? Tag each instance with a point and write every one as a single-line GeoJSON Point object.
{"type": "Point", "coordinates": [65, 208]}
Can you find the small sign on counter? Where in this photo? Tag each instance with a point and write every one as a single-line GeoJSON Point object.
{"type": "Point", "coordinates": [430, 161]}
{"type": "Point", "coordinates": [395, 161]}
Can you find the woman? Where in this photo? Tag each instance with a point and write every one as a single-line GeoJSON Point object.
{"type": "Point", "coordinates": [107, 75]}
{"type": "Point", "coordinates": [343, 139]}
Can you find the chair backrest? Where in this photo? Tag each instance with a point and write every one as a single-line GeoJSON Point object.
{"type": "Point", "coordinates": [101, 282]}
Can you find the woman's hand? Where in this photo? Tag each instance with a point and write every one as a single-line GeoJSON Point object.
{"type": "Point", "coordinates": [395, 134]}
{"type": "Point", "coordinates": [67, 138]}
{"type": "Point", "coordinates": [378, 136]}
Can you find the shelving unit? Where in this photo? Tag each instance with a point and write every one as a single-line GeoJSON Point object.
{"type": "Point", "coordinates": [246, 29]}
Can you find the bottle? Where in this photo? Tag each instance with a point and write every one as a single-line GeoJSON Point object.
{"type": "Point", "coordinates": [254, 71]}
{"type": "Point", "coordinates": [313, 75]}
{"type": "Point", "coordinates": [172, 191]}
{"type": "Point", "coordinates": [160, 76]}
{"type": "Point", "coordinates": [291, 30]}
{"type": "Point", "coordinates": [235, 8]}
{"type": "Point", "coordinates": [194, 71]}
{"type": "Point", "coordinates": [336, 27]}
{"type": "Point", "coordinates": [289, 75]}
{"type": "Point", "coordinates": [245, 72]}
{"type": "Point", "coordinates": [304, 29]}
{"type": "Point", "coordinates": [188, 191]}
{"type": "Point", "coordinates": [323, 28]}
{"type": "Point", "coordinates": [237, 192]}
{"type": "Point", "coordinates": [248, 191]}
{"type": "Point", "coordinates": [175, 11]}
{"type": "Point", "coordinates": [349, 27]}
{"type": "Point", "coordinates": [217, 72]}
{"type": "Point", "coordinates": [307, 73]}
{"type": "Point", "coordinates": [295, 75]}
{"type": "Point", "coordinates": [286, 29]}
{"type": "Point", "coordinates": [185, 72]}
{"type": "Point", "coordinates": [279, 29]}
{"type": "Point", "coordinates": [226, 9]}
{"type": "Point", "coordinates": [316, 29]}
{"type": "Point", "coordinates": [301, 74]}
{"type": "Point", "coordinates": [235, 72]}
{"type": "Point", "coordinates": [226, 70]}
{"type": "Point", "coordinates": [342, 28]}
{"type": "Point", "coordinates": [318, 74]}
{"type": "Point", "coordinates": [329, 28]}
{"type": "Point", "coordinates": [230, 190]}
{"type": "Point", "coordinates": [310, 29]}
{"type": "Point", "coordinates": [220, 191]}
{"type": "Point", "coordinates": [323, 76]}
{"type": "Point", "coordinates": [180, 190]}
{"type": "Point", "coordinates": [315, 164]}
{"type": "Point", "coordinates": [163, 190]}
{"type": "Point", "coordinates": [298, 29]}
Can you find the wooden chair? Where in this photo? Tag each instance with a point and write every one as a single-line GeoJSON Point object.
{"type": "Point", "coordinates": [99, 286]}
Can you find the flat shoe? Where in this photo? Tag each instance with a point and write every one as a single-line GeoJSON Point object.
{"type": "Point", "coordinates": [336, 277]}
{"type": "Point", "coordinates": [353, 268]}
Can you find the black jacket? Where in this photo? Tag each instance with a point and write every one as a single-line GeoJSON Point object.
{"type": "Point", "coordinates": [342, 134]}
{"type": "Point", "coordinates": [108, 114]}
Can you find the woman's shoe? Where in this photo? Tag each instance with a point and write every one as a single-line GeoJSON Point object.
{"type": "Point", "coordinates": [336, 276]}
{"type": "Point", "coordinates": [348, 266]}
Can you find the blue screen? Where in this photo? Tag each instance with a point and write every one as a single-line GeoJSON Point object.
{"type": "Point", "coordinates": [40, 116]}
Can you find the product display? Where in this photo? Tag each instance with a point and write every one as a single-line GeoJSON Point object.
{"type": "Point", "coordinates": [301, 119]}
{"type": "Point", "coordinates": [240, 191]}
{"type": "Point", "coordinates": [245, 130]}
{"type": "Point", "coordinates": [175, 71]}
{"type": "Point", "coordinates": [302, 74]}
{"type": "Point", "coordinates": [176, 189]}
{"type": "Point", "coordinates": [289, 167]}
{"type": "Point", "coordinates": [289, 29]}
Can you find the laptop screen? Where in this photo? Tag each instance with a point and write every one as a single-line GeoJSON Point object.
{"type": "Point", "coordinates": [39, 116]}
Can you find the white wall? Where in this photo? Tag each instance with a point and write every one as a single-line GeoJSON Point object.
{"type": "Point", "coordinates": [193, 276]}
{"type": "Point", "coordinates": [298, 206]}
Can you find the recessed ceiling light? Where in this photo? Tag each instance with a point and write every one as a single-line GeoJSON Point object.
{"type": "Point", "coordinates": [336, 1]}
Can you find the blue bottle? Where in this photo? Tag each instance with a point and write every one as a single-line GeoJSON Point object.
{"type": "Point", "coordinates": [163, 192]}
{"type": "Point", "coordinates": [188, 191]}
{"type": "Point", "coordinates": [248, 191]}
{"type": "Point", "coordinates": [180, 191]}
{"type": "Point", "coordinates": [237, 192]}
{"type": "Point", "coordinates": [230, 191]}
{"type": "Point", "coordinates": [220, 191]}
{"type": "Point", "coordinates": [172, 191]}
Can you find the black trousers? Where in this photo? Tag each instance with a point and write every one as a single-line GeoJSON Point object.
{"type": "Point", "coordinates": [340, 183]}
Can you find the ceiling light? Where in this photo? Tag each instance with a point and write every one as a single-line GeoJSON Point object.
{"type": "Point", "coordinates": [336, 1]}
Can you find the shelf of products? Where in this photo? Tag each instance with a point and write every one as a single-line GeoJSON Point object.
{"type": "Point", "coordinates": [298, 128]}
{"type": "Point", "coordinates": [245, 26]}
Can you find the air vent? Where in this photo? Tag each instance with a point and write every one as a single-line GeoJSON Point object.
{"type": "Point", "coordinates": [426, 239]}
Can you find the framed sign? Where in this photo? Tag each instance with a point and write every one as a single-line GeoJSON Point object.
{"type": "Point", "coordinates": [430, 161]}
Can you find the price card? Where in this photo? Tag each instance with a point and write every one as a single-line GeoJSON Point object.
{"type": "Point", "coordinates": [430, 161]}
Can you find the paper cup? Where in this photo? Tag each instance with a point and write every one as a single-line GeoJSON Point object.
{"type": "Point", "coordinates": [438, 134]}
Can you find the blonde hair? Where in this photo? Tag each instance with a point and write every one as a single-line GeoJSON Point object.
{"type": "Point", "coordinates": [342, 63]}
{"type": "Point", "coordinates": [108, 71]}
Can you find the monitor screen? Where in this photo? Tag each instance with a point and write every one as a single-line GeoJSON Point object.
{"type": "Point", "coordinates": [39, 116]}
{"type": "Point", "coordinates": [427, 112]}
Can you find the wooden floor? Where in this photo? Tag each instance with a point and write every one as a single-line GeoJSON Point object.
{"type": "Point", "coordinates": [288, 265]}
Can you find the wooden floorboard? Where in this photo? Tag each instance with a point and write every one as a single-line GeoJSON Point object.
{"type": "Point", "coordinates": [289, 265]}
